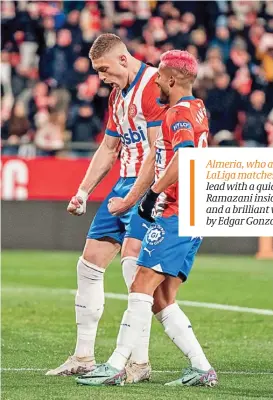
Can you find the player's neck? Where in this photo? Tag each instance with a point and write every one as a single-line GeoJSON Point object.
{"type": "Point", "coordinates": [177, 95]}
{"type": "Point", "coordinates": [134, 66]}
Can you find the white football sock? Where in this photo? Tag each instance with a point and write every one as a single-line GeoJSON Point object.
{"type": "Point", "coordinates": [140, 353]}
{"type": "Point", "coordinates": [178, 328]}
{"type": "Point", "coordinates": [134, 321]}
{"type": "Point", "coordinates": [89, 304]}
{"type": "Point", "coordinates": [129, 268]}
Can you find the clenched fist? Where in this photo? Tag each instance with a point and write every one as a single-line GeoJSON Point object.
{"type": "Point", "coordinates": [117, 206]}
{"type": "Point", "coordinates": [77, 205]}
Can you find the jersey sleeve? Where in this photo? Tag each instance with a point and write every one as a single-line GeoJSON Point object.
{"type": "Point", "coordinates": [111, 128]}
{"type": "Point", "coordinates": [152, 109]}
{"type": "Point", "coordinates": [180, 128]}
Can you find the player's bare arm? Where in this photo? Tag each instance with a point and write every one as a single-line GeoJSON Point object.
{"type": "Point", "coordinates": [100, 165]}
{"type": "Point", "coordinates": [118, 205]}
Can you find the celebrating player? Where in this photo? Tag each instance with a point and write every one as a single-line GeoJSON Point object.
{"type": "Point", "coordinates": [134, 115]}
{"type": "Point", "coordinates": [165, 259]}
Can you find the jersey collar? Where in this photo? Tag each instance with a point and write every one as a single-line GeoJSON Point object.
{"type": "Point", "coordinates": [186, 98]}
{"type": "Point", "coordinates": [137, 77]}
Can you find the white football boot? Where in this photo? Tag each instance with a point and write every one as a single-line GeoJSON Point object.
{"type": "Point", "coordinates": [73, 366]}
{"type": "Point", "coordinates": [137, 372]}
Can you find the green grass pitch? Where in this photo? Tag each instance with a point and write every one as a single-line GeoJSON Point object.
{"type": "Point", "coordinates": [38, 329]}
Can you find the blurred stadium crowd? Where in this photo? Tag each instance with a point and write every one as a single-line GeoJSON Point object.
{"type": "Point", "coordinates": [52, 100]}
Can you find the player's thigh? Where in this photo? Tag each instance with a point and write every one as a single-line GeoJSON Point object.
{"type": "Point", "coordinates": [146, 281]}
{"type": "Point", "coordinates": [100, 251]}
{"type": "Point", "coordinates": [106, 225]}
{"type": "Point", "coordinates": [106, 232]}
{"type": "Point", "coordinates": [136, 229]}
{"type": "Point", "coordinates": [166, 293]}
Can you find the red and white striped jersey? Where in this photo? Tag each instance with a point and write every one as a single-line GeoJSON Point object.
{"type": "Point", "coordinates": [184, 125]}
{"type": "Point", "coordinates": [131, 113]}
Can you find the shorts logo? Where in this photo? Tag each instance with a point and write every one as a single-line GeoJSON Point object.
{"type": "Point", "coordinates": [155, 235]}
{"type": "Point", "coordinates": [132, 111]}
{"type": "Point", "coordinates": [181, 125]}
{"type": "Point", "coordinates": [145, 226]}
{"type": "Point", "coordinates": [148, 251]}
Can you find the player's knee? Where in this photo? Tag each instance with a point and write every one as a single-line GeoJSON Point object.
{"type": "Point", "coordinates": [146, 281]}
{"type": "Point", "coordinates": [88, 271]}
{"type": "Point", "coordinates": [92, 257]}
{"type": "Point", "coordinates": [100, 252]}
{"type": "Point", "coordinates": [140, 283]}
{"type": "Point", "coordinates": [130, 248]}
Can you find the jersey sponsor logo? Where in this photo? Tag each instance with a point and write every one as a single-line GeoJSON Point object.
{"type": "Point", "coordinates": [155, 235]}
{"type": "Point", "coordinates": [133, 136]}
{"type": "Point", "coordinates": [181, 125]}
{"type": "Point", "coordinates": [132, 111]}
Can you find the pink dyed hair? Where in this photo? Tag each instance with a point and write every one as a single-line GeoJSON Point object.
{"type": "Point", "coordinates": [180, 60]}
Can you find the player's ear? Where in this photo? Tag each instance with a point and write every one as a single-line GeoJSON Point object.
{"type": "Point", "coordinates": [123, 60]}
{"type": "Point", "coordinates": [171, 81]}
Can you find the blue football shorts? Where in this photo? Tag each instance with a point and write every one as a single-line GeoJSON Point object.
{"type": "Point", "coordinates": [164, 251]}
{"type": "Point", "coordinates": [130, 224]}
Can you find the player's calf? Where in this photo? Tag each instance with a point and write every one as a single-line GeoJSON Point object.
{"type": "Point", "coordinates": [140, 353]}
{"type": "Point", "coordinates": [89, 304]}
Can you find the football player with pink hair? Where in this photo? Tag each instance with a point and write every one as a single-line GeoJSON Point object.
{"type": "Point", "coordinates": [165, 259]}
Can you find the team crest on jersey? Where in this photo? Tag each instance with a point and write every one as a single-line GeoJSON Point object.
{"type": "Point", "coordinates": [181, 125]}
{"type": "Point", "coordinates": [155, 235]}
{"type": "Point", "coordinates": [132, 112]}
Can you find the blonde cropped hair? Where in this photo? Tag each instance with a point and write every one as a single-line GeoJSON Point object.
{"type": "Point", "coordinates": [103, 44]}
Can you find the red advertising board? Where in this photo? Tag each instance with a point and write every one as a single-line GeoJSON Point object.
{"type": "Point", "coordinates": [49, 179]}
